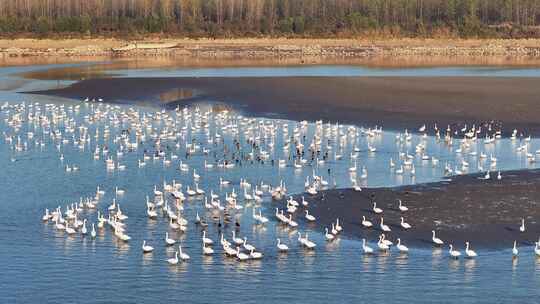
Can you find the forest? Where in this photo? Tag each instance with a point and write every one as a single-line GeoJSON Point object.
{"type": "Point", "coordinates": [252, 18]}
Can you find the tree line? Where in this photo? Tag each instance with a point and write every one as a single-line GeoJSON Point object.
{"type": "Point", "coordinates": [239, 18]}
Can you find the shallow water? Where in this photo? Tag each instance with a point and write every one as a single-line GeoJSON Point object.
{"type": "Point", "coordinates": [42, 265]}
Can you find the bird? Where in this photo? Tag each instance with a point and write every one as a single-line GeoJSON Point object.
{"type": "Point", "coordinates": [384, 227]}
{"type": "Point", "coordinates": [183, 256]}
{"type": "Point", "coordinates": [173, 261]}
{"type": "Point", "coordinates": [454, 253]}
{"type": "Point", "coordinates": [376, 209]}
{"type": "Point", "coordinates": [366, 223]}
{"type": "Point", "coordinates": [309, 217]}
{"type": "Point", "coordinates": [365, 248]}
{"type": "Point", "coordinates": [147, 248]}
{"type": "Point", "coordinates": [515, 251]}
{"type": "Point", "coordinates": [469, 252]}
{"type": "Point", "coordinates": [522, 227]}
{"type": "Point", "coordinates": [436, 240]}
{"type": "Point", "coordinates": [404, 225]}
{"type": "Point", "coordinates": [282, 247]}
{"type": "Point", "coordinates": [402, 248]}
{"type": "Point", "coordinates": [328, 236]}
{"type": "Point", "coordinates": [401, 207]}
{"type": "Point", "coordinates": [168, 240]}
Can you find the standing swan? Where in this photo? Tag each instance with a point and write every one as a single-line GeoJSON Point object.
{"type": "Point", "coordinates": [436, 240]}
{"type": "Point", "coordinates": [454, 253]}
{"type": "Point", "coordinates": [366, 248]}
{"type": "Point", "coordinates": [469, 252]}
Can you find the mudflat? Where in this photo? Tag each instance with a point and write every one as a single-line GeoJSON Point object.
{"type": "Point", "coordinates": [391, 102]}
{"type": "Point", "coordinates": [487, 213]}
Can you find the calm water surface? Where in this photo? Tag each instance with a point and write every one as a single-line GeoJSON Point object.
{"type": "Point", "coordinates": [42, 265]}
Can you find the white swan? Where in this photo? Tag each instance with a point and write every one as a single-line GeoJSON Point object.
{"type": "Point", "coordinates": [376, 209]}
{"type": "Point", "coordinates": [401, 207]}
{"type": "Point", "coordinates": [173, 261]}
{"type": "Point", "coordinates": [382, 246]}
{"type": "Point", "coordinates": [240, 255]}
{"type": "Point", "coordinates": [366, 248]}
{"type": "Point", "coordinates": [436, 240]}
{"type": "Point", "coordinates": [168, 240]}
{"type": "Point", "coordinates": [282, 247]}
{"type": "Point", "coordinates": [469, 252]}
{"type": "Point", "coordinates": [454, 253]}
{"type": "Point", "coordinates": [402, 248]}
{"type": "Point", "coordinates": [384, 227]}
{"type": "Point", "coordinates": [206, 240]}
{"type": "Point", "coordinates": [405, 225]}
{"type": "Point", "coordinates": [515, 251]}
{"type": "Point", "coordinates": [183, 256]}
{"type": "Point", "coordinates": [522, 227]}
{"type": "Point", "coordinates": [93, 232]}
{"type": "Point", "coordinates": [310, 217]}
{"type": "Point", "coordinates": [255, 255]}
{"type": "Point", "coordinates": [207, 250]}
{"type": "Point", "coordinates": [328, 236]}
{"type": "Point", "coordinates": [366, 223]}
{"type": "Point", "coordinates": [247, 246]}
{"type": "Point", "coordinates": [146, 248]}
{"type": "Point", "coordinates": [536, 249]}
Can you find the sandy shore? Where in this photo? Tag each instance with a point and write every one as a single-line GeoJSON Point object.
{"type": "Point", "coordinates": [486, 212]}
{"type": "Point", "coordinates": [268, 47]}
{"type": "Point", "coordinates": [393, 102]}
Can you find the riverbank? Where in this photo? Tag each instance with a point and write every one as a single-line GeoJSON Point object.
{"type": "Point", "coordinates": [392, 102]}
{"type": "Point", "coordinates": [306, 49]}
{"type": "Point", "coordinates": [487, 213]}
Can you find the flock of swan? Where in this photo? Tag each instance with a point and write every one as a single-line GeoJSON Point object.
{"type": "Point", "coordinates": [197, 144]}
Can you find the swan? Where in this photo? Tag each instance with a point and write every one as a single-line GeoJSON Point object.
{"type": "Point", "coordinates": [499, 177]}
{"type": "Point", "coordinates": [240, 255]}
{"type": "Point", "coordinates": [536, 249]}
{"type": "Point", "coordinates": [147, 248]}
{"type": "Point", "coordinates": [119, 191]}
{"type": "Point", "coordinates": [338, 226]}
{"type": "Point", "coordinates": [522, 227]}
{"type": "Point", "coordinates": [84, 231]}
{"type": "Point", "coordinates": [47, 216]}
{"type": "Point", "coordinates": [454, 253]}
{"type": "Point", "coordinates": [255, 255]}
{"type": "Point", "coordinates": [384, 227]}
{"type": "Point", "coordinates": [247, 246]}
{"type": "Point", "coordinates": [168, 240]}
{"type": "Point", "coordinates": [206, 240]}
{"type": "Point", "coordinates": [309, 244]}
{"type": "Point", "coordinates": [93, 232]}
{"type": "Point", "coordinates": [70, 230]}
{"type": "Point", "coordinates": [401, 207]}
{"type": "Point", "coordinates": [366, 248]}
{"type": "Point", "coordinates": [469, 252]}
{"type": "Point", "coordinates": [515, 251]}
{"type": "Point", "coordinates": [385, 241]}
{"type": "Point", "coordinates": [207, 250]}
{"type": "Point", "coordinates": [328, 236]}
{"type": "Point", "coordinates": [382, 246]}
{"type": "Point", "coordinates": [366, 223]}
{"type": "Point", "coordinates": [310, 217]}
{"type": "Point", "coordinates": [405, 225]}
{"type": "Point", "coordinates": [183, 256]}
{"type": "Point", "coordinates": [402, 248]}
{"type": "Point", "coordinates": [291, 222]}
{"type": "Point", "coordinates": [173, 261]}
{"type": "Point", "coordinates": [282, 247]}
{"type": "Point", "coordinates": [436, 240]}
{"type": "Point", "coordinates": [376, 209]}
{"type": "Point", "coordinates": [237, 241]}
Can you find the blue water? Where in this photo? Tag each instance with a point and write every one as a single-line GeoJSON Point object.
{"type": "Point", "coordinates": [41, 264]}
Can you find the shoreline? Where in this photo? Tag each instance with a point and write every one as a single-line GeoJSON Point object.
{"type": "Point", "coordinates": [307, 48]}
{"type": "Point", "coordinates": [494, 210]}
{"type": "Point", "coordinates": [370, 101]}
